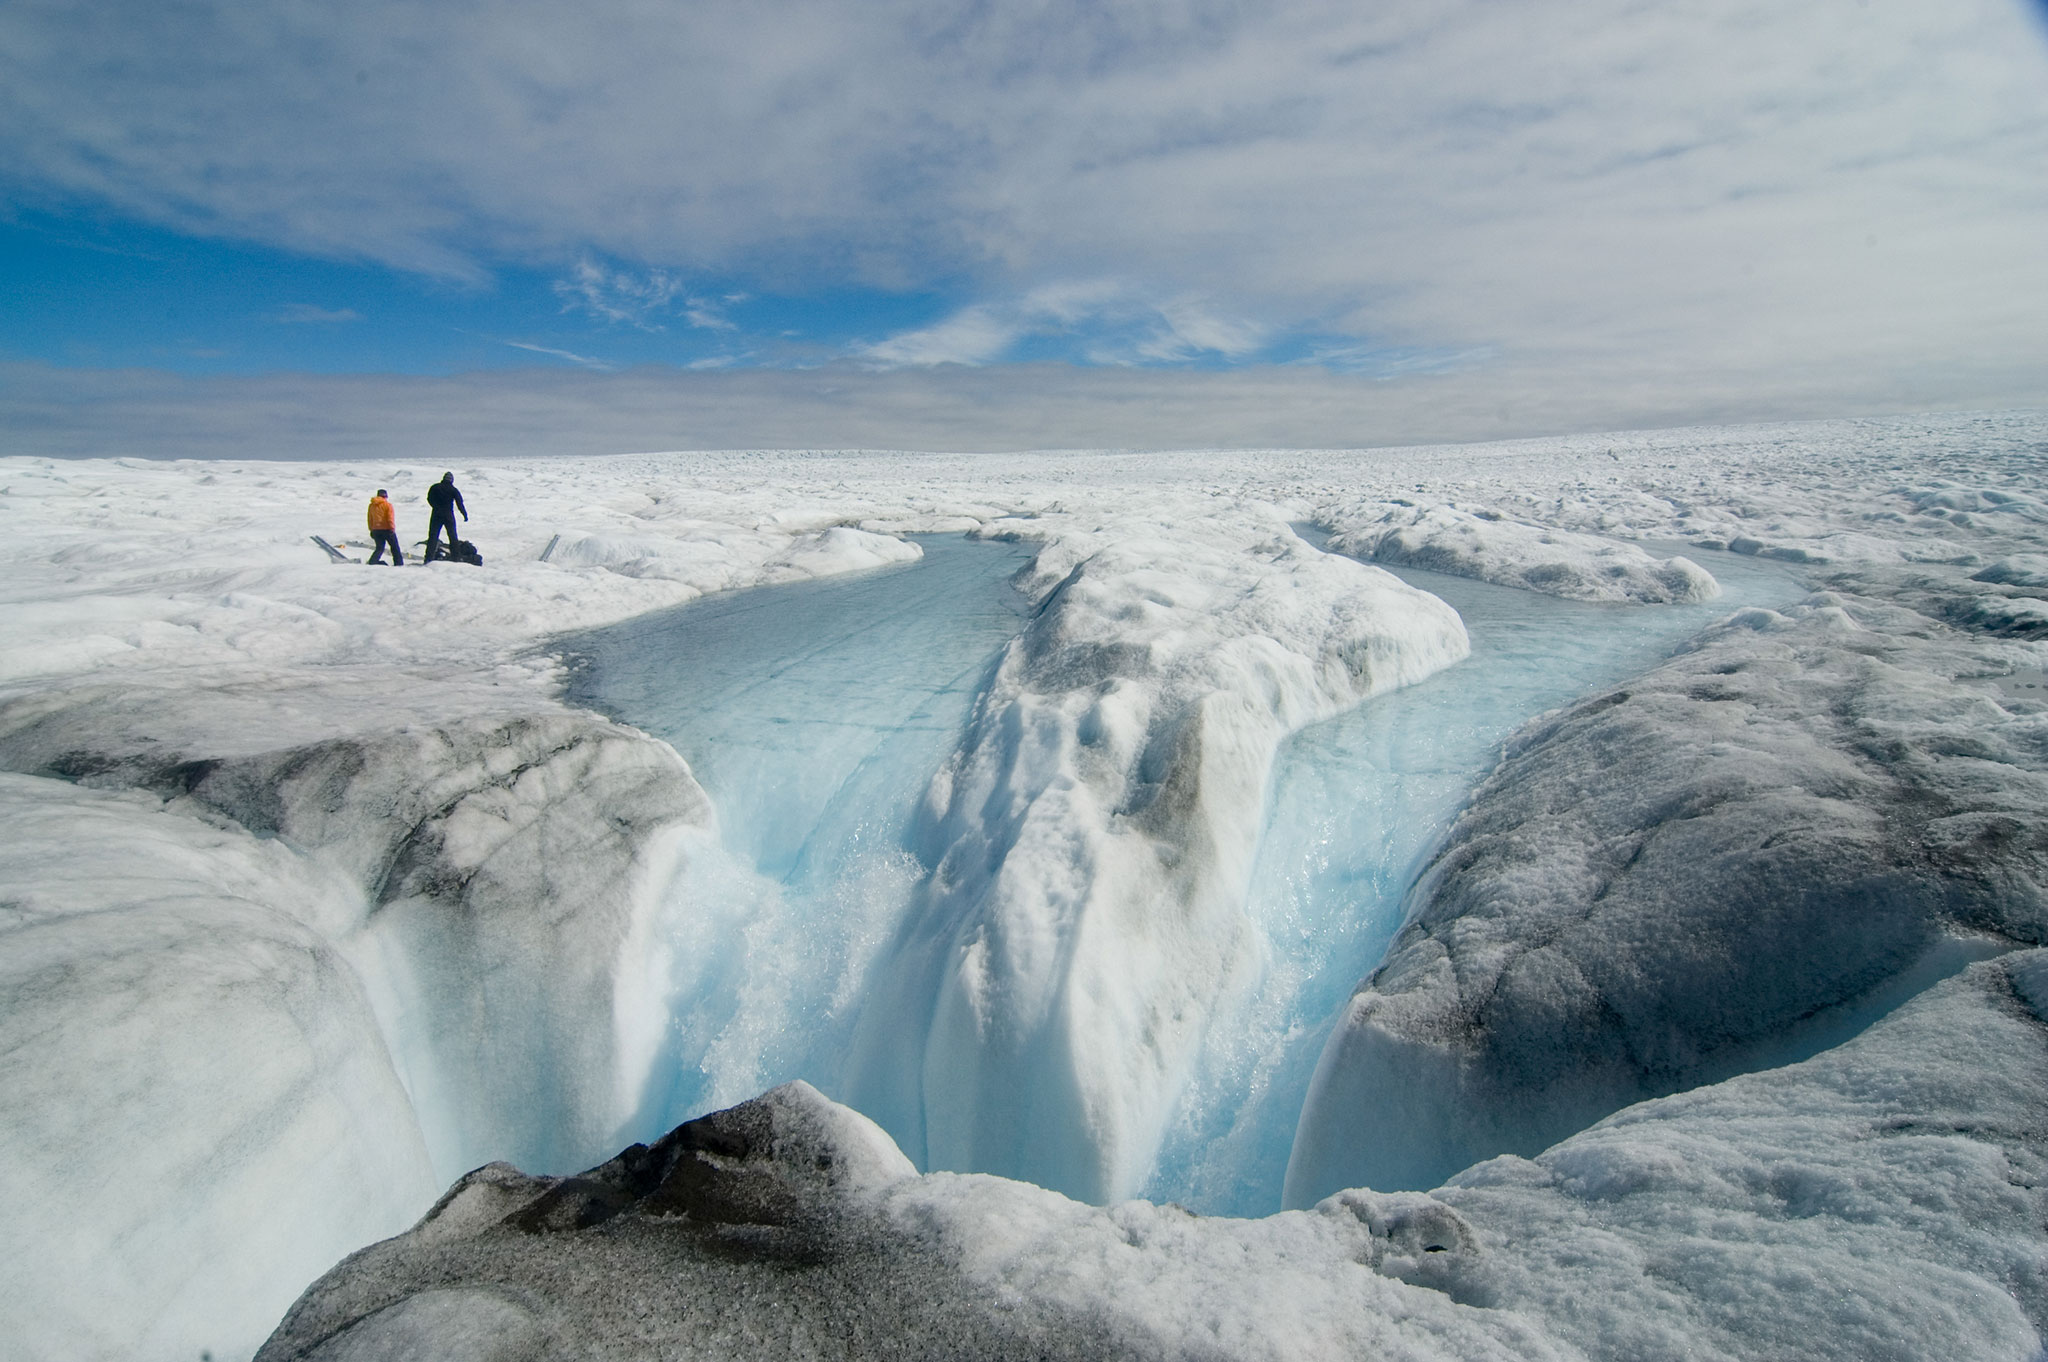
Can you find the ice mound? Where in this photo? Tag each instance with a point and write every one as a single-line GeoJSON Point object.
{"type": "Point", "coordinates": [1880, 1200]}
{"type": "Point", "coordinates": [1663, 884]}
{"type": "Point", "coordinates": [1093, 837]}
{"type": "Point", "coordinates": [2005, 600]}
{"type": "Point", "coordinates": [790, 1227]}
{"type": "Point", "coordinates": [1486, 545]}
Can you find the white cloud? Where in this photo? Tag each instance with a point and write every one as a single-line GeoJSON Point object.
{"type": "Point", "coordinates": [1617, 189]}
{"type": "Point", "coordinates": [975, 335]}
{"type": "Point", "coordinates": [704, 313]}
{"type": "Point", "coordinates": [616, 295]}
{"type": "Point", "coordinates": [1112, 324]}
{"type": "Point", "coordinates": [307, 313]}
{"type": "Point", "coordinates": [600, 365]}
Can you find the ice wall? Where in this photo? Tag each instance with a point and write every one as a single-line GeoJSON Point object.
{"type": "Point", "coordinates": [1093, 837]}
{"type": "Point", "coordinates": [202, 1114]}
{"type": "Point", "coordinates": [290, 992]}
{"type": "Point", "coordinates": [814, 715]}
{"type": "Point", "coordinates": [1663, 884]}
{"type": "Point", "coordinates": [1358, 803]}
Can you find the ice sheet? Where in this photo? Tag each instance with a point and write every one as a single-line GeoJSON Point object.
{"type": "Point", "coordinates": [179, 608]}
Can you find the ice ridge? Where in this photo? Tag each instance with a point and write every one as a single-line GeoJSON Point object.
{"type": "Point", "coordinates": [1092, 840]}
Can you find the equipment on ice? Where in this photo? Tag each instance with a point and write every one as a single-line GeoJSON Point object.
{"type": "Point", "coordinates": [332, 552]}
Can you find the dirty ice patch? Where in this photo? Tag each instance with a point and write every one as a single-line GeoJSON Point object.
{"type": "Point", "coordinates": [1667, 882]}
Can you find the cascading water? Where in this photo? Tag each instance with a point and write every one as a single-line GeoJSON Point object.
{"type": "Point", "coordinates": [815, 716]}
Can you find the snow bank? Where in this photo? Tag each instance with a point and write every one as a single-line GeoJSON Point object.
{"type": "Point", "coordinates": [1093, 837]}
{"type": "Point", "coordinates": [1865, 1203]}
{"type": "Point", "coordinates": [1486, 545]}
{"type": "Point", "coordinates": [1667, 883]}
{"type": "Point", "coordinates": [828, 552]}
{"type": "Point", "coordinates": [1880, 1200]}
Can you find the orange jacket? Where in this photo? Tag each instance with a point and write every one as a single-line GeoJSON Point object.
{"type": "Point", "coordinates": [382, 516]}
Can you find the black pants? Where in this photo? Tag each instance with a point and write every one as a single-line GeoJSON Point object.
{"type": "Point", "coordinates": [435, 522]}
{"type": "Point", "coordinates": [386, 539]}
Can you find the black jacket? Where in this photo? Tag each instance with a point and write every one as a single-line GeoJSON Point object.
{"type": "Point", "coordinates": [442, 495]}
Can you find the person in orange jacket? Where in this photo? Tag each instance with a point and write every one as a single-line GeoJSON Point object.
{"type": "Point", "coordinates": [384, 529]}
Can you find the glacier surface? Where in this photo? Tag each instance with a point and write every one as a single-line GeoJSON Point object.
{"type": "Point", "coordinates": [318, 892]}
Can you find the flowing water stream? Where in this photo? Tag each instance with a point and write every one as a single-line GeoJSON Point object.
{"type": "Point", "coordinates": [816, 714]}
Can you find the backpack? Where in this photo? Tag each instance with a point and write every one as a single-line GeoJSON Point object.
{"type": "Point", "coordinates": [462, 551]}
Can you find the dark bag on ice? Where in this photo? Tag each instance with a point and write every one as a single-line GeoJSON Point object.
{"type": "Point", "coordinates": [462, 551]}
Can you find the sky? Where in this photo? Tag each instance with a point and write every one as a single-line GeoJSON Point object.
{"type": "Point", "coordinates": [288, 227]}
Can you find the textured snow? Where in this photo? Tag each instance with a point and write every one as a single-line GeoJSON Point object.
{"type": "Point", "coordinates": [322, 893]}
{"type": "Point", "coordinates": [1663, 878]}
{"type": "Point", "coordinates": [1487, 545]}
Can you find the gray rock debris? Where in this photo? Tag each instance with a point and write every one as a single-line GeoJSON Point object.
{"type": "Point", "coordinates": [746, 1233]}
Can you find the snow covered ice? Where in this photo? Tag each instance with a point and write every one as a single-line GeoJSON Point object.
{"type": "Point", "coordinates": [1711, 1023]}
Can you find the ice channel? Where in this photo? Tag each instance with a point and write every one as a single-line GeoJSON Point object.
{"type": "Point", "coordinates": [816, 714]}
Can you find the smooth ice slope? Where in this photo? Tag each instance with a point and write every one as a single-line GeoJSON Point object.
{"type": "Point", "coordinates": [1084, 924]}
{"type": "Point", "coordinates": [489, 880]}
{"type": "Point", "coordinates": [200, 1110]}
{"type": "Point", "coordinates": [260, 1005]}
{"type": "Point", "coordinates": [1662, 883]}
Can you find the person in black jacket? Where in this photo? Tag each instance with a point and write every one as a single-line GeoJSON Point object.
{"type": "Point", "coordinates": [445, 501]}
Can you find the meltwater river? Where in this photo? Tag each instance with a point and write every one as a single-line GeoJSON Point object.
{"type": "Point", "coordinates": [816, 714]}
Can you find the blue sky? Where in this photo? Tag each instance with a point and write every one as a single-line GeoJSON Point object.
{"type": "Point", "coordinates": [91, 290]}
{"type": "Point", "coordinates": [1442, 218]}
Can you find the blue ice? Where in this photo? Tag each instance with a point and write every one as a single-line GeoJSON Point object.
{"type": "Point", "coordinates": [815, 715]}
